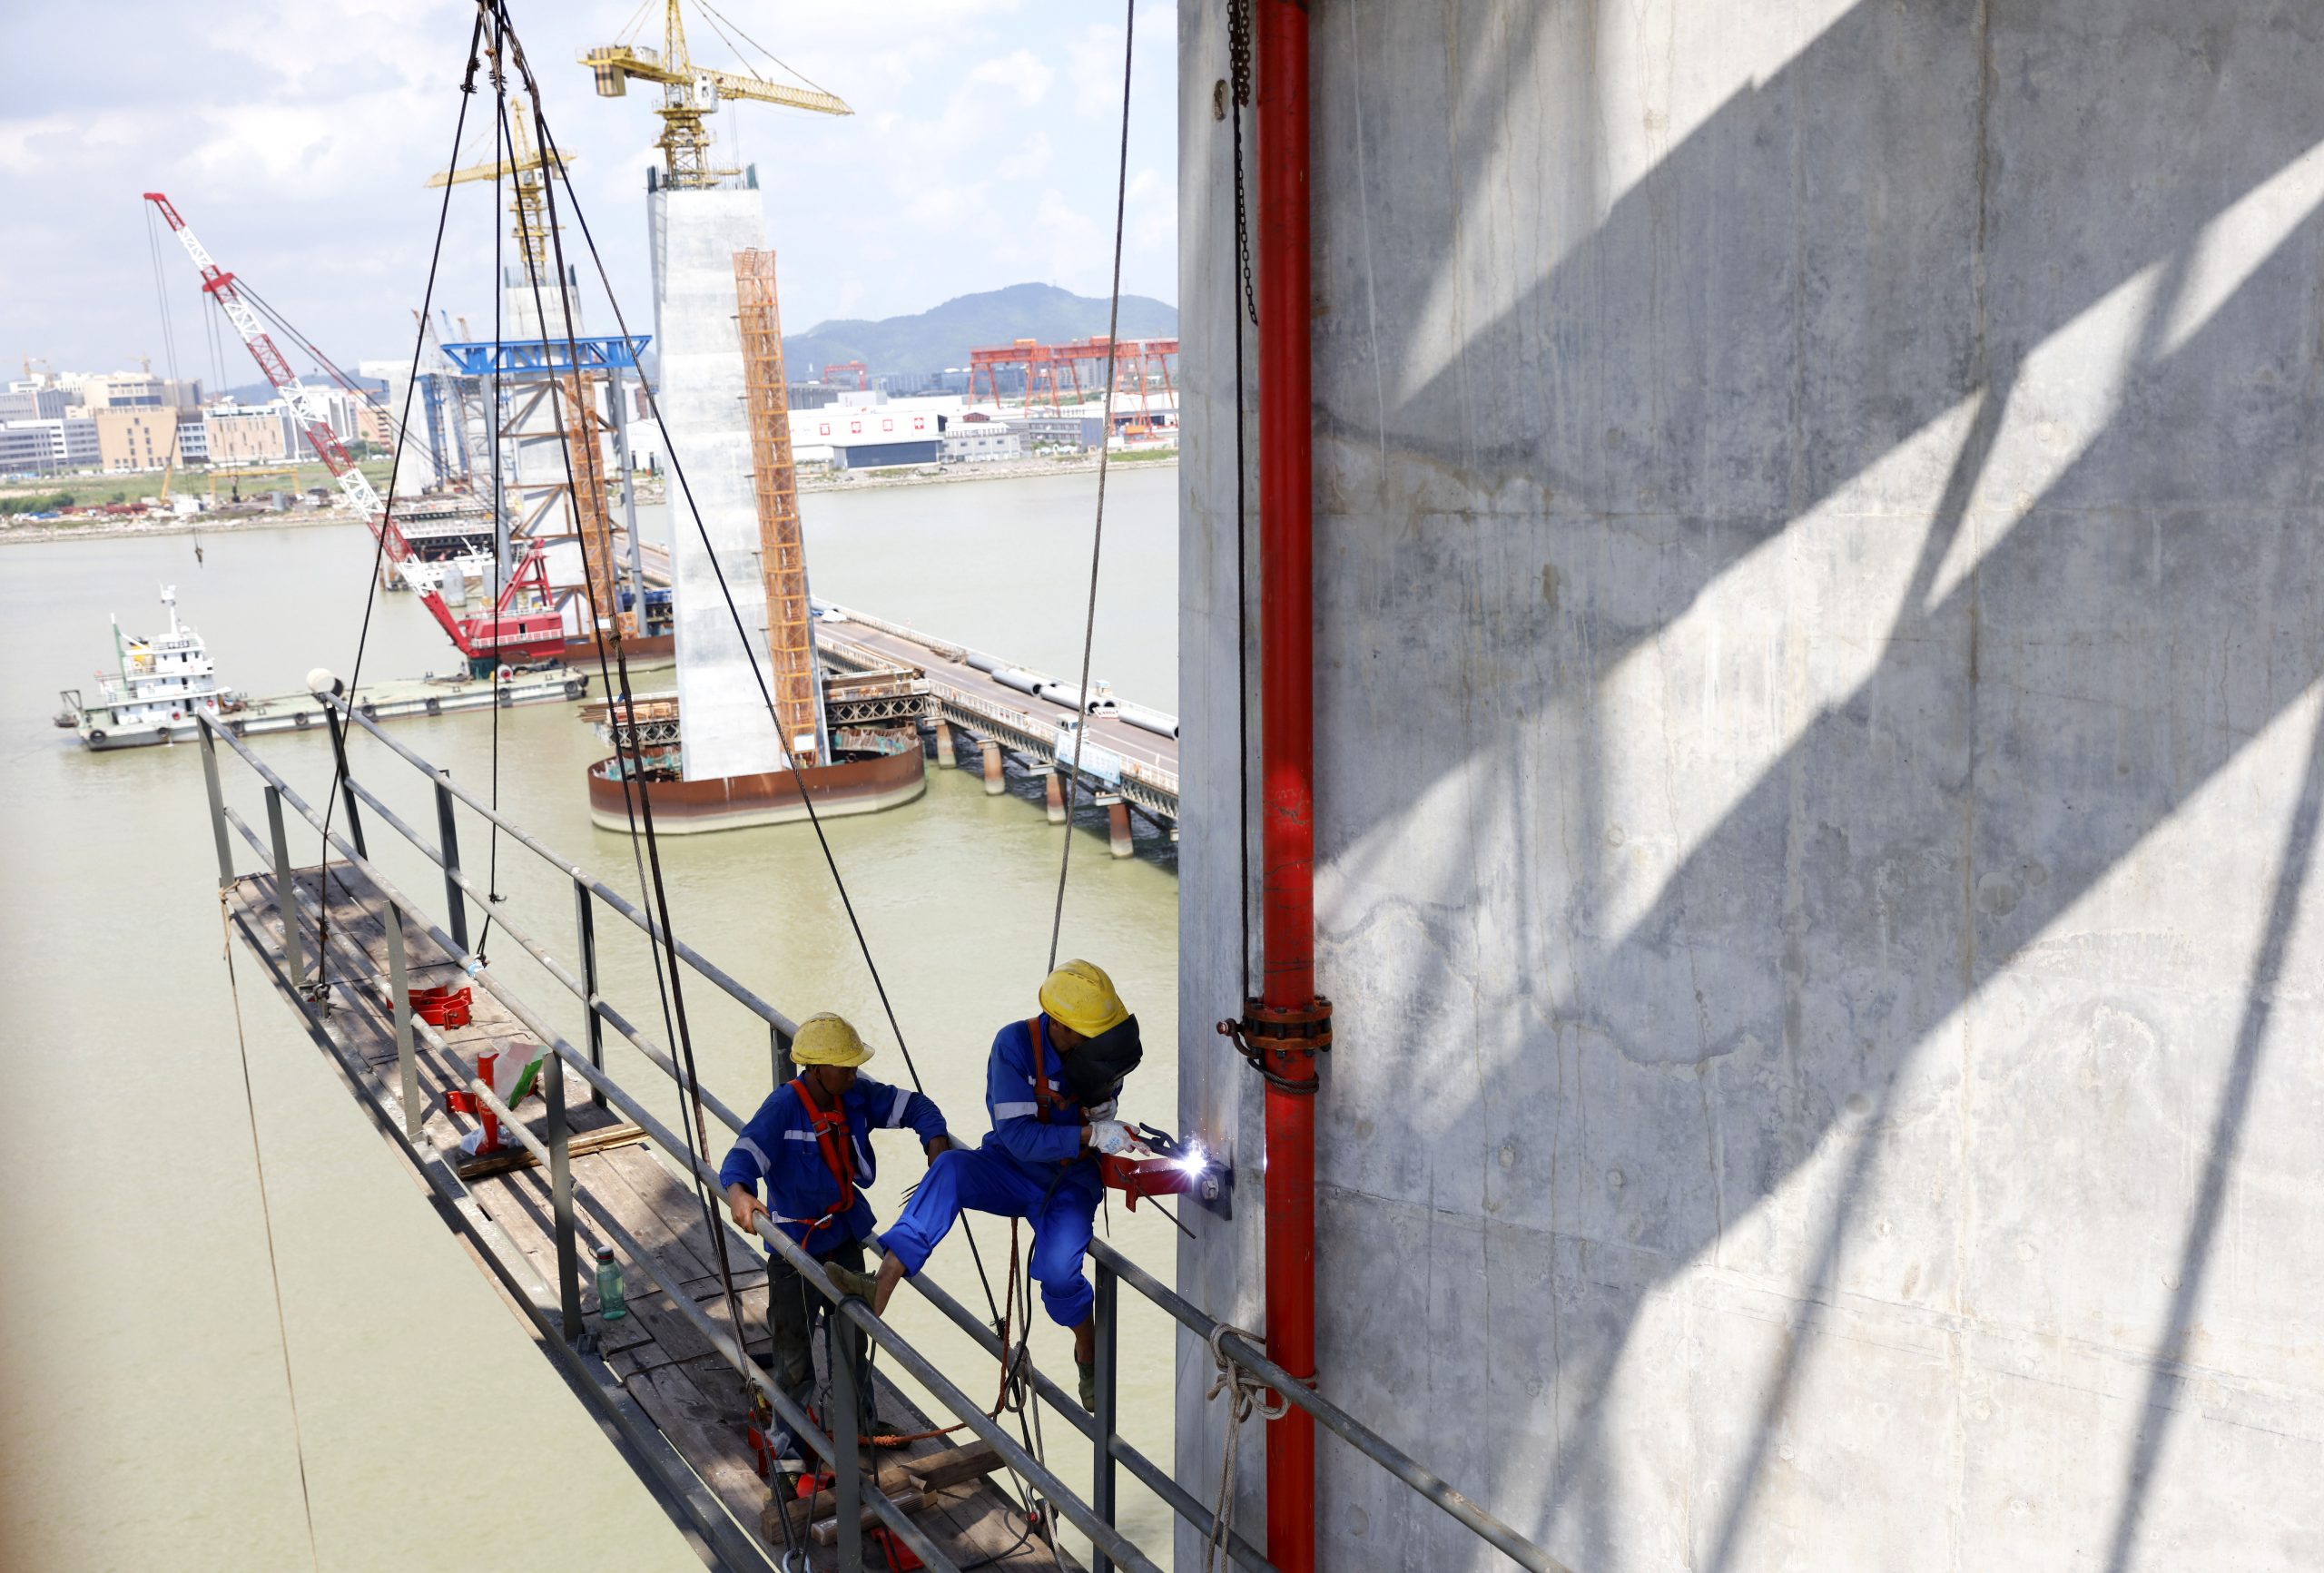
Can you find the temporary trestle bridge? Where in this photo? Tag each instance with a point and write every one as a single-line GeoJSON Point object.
{"type": "Point", "coordinates": [1124, 765]}
{"type": "Point", "coordinates": [600, 1168]}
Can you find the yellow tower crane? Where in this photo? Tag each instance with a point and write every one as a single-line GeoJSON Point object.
{"type": "Point", "coordinates": [689, 94]}
{"type": "Point", "coordinates": [526, 173]}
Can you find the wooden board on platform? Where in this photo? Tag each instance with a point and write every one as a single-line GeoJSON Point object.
{"type": "Point", "coordinates": [658, 1357]}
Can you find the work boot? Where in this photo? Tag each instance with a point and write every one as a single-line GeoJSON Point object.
{"type": "Point", "coordinates": [1088, 1385]}
{"type": "Point", "coordinates": [849, 1281]}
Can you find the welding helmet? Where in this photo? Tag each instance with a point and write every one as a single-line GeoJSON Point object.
{"type": "Point", "coordinates": [1095, 1070]}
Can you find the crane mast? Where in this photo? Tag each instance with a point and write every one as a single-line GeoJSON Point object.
{"type": "Point", "coordinates": [312, 415]}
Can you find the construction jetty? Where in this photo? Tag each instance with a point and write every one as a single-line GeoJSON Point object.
{"type": "Point", "coordinates": [998, 711]}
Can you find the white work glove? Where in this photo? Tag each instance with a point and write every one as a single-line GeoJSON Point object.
{"type": "Point", "coordinates": [1104, 1111]}
{"type": "Point", "coordinates": [1109, 1137]}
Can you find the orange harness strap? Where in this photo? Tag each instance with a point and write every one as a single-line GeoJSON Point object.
{"type": "Point", "coordinates": [831, 1137]}
{"type": "Point", "coordinates": [1045, 1097]}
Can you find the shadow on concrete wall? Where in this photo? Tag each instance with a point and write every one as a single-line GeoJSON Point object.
{"type": "Point", "coordinates": [1878, 234]}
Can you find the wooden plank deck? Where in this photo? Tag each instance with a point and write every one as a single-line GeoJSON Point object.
{"type": "Point", "coordinates": [655, 1357]}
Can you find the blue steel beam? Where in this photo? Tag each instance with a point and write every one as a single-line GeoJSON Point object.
{"type": "Point", "coordinates": [433, 389]}
{"type": "Point", "coordinates": [546, 356]}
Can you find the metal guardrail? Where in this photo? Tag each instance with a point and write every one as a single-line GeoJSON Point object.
{"type": "Point", "coordinates": [1112, 1269]}
{"type": "Point", "coordinates": [1150, 787]}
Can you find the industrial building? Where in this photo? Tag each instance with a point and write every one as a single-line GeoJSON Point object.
{"type": "Point", "coordinates": [48, 446]}
{"type": "Point", "coordinates": [979, 440]}
{"type": "Point", "coordinates": [32, 401]}
{"type": "Point", "coordinates": [135, 437]}
{"type": "Point", "coordinates": [252, 434]}
{"type": "Point", "coordinates": [132, 421]}
{"type": "Point", "coordinates": [26, 448]}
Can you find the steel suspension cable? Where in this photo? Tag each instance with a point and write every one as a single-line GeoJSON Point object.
{"type": "Point", "coordinates": [388, 507]}
{"type": "Point", "coordinates": [677, 470]}
{"type": "Point", "coordinates": [1105, 451]}
{"type": "Point", "coordinates": [323, 362]}
{"type": "Point", "coordinates": [169, 330]}
{"type": "Point", "coordinates": [669, 979]}
{"type": "Point", "coordinates": [503, 153]}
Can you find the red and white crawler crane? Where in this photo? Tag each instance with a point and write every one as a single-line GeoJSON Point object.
{"type": "Point", "coordinates": [488, 641]}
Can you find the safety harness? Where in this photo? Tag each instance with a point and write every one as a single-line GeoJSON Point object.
{"type": "Point", "coordinates": [1045, 1097]}
{"type": "Point", "coordinates": [832, 1138]}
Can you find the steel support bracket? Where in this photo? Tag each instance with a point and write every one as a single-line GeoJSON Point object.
{"type": "Point", "coordinates": [1282, 1041]}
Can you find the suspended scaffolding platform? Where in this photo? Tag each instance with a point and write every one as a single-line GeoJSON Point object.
{"type": "Point", "coordinates": [582, 1177]}
{"type": "Point", "coordinates": [401, 1005]}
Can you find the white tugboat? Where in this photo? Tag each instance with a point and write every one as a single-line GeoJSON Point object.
{"type": "Point", "coordinates": [165, 684]}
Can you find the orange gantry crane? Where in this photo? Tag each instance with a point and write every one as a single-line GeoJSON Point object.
{"type": "Point", "coordinates": [1054, 373]}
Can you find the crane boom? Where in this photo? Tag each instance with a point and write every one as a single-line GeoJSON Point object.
{"type": "Point", "coordinates": [690, 93]}
{"type": "Point", "coordinates": [508, 632]}
{"type": "Point", "coordinates": [311, 410]}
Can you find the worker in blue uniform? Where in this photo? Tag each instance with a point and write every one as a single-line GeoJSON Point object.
{"type": "Point", "coordinates": [810, 1146]}
{"type": "Point", "coordinates": [1052, 1085]}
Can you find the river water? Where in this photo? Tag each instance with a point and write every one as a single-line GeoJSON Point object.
{"type": "Point", "coordinates": [143, 1393]}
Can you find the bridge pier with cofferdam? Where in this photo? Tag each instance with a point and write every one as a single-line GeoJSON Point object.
{"type": "Point", "coordinates": [991, 711]}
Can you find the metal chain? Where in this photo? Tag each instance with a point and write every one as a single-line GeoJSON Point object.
{"type": "Point", "coordinates": [1239, 66]}
{"type": "Point", "coordinates": [1239, 48]}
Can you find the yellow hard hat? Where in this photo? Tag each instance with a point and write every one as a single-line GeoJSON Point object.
{"type": "Point", "coordinates": [1080, 996]}
{"type": "Point", "coordinates": [828, 1040]}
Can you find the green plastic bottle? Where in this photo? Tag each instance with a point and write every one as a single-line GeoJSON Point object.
{"type": "Point", "coordinates": [612, 1304]}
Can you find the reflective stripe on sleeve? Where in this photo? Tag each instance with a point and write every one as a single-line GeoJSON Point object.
{"type": "Point", "coordinates": [896, 1114]}
{"type": "Point", "coordinates": [1015, 1111]}
{"type": "Point", "coordinates": [758, 1154]}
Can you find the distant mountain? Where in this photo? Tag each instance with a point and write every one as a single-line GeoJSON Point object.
{"type": "Point", "coordinates": [932, 340]}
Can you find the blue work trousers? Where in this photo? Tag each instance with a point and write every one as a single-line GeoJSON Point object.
{"type": "Point", "coordinates": [1062, 1209]}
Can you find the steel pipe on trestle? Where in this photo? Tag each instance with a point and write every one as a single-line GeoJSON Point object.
{"type": "Point", "coordinates": [1286, 736]}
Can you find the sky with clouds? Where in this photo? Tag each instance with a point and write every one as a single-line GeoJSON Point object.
{"type": "Point", "coordinates": [295, 136]}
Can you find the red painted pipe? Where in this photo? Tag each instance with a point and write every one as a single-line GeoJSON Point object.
{"type": "Point", "coordinates": [1286, 736]}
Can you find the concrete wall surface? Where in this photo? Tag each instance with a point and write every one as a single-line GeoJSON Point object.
{"type": "Point", "coordinates": [1821, 603]}
{"type": "Point", "coordinates": [698, 345]}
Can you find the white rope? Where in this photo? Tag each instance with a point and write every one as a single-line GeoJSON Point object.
{"type": "Point", "coordinates": [288, 904]}
{"type": "Point", "coordinates": [1246, 1394]}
